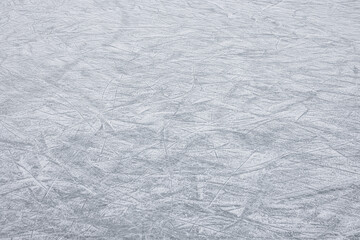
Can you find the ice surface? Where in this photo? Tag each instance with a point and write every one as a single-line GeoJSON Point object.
{"type": "Point", "coordinates": [184, 119]}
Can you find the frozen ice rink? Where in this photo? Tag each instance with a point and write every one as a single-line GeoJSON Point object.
{"type": "Point", "coordinates": [179, 119]}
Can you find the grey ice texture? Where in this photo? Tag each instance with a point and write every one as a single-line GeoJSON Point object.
{"type": "Point", "coordinates": [179, 119]}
